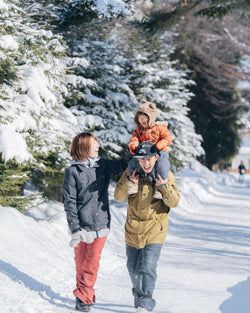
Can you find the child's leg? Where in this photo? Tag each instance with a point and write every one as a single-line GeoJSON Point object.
{"type": "Point", "coordinates": [163, 164]}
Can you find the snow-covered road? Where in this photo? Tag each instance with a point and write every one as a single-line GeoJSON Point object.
{"type": "Point", "coordinates": [204, 266]}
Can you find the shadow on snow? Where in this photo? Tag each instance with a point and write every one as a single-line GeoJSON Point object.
{"type": "Point", "coordinates": [43, 290]}
{"type": "Point", "coordinates": [117, 308]}
{"type": "Point", "coordinates": [239, 301]}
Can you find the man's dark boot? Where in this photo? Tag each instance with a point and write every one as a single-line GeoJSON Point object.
{"type": "Point", "coordinates": [81, 306]}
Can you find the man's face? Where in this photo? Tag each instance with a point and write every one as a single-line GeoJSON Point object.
{"type": "Point", "coordinates": [147, 164]}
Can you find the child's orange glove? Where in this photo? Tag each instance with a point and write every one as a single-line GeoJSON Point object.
{"type": "Point", "coordinates": [132, 148]}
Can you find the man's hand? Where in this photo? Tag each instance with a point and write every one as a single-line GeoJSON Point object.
{"type": "Point", "coordinates": [159, 181]}
{"type": "Point", "coordinates": [133, 177]}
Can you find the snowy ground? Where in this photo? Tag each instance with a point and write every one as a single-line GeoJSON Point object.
{"type": "Point", "coordinates": [204, 266]}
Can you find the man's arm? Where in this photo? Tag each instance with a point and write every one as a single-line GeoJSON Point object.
{"type": "Point", "coordinates": [70, 200]}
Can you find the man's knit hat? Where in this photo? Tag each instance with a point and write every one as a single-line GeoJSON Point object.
{"type": "Point", "coordinates": [147, 108]}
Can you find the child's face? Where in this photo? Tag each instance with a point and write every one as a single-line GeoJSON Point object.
{"type": "Point", "coordinates": [143, 120]}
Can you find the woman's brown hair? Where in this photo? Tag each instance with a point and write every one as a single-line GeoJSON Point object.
{"type": "Point", "coordinates": [80, 146]}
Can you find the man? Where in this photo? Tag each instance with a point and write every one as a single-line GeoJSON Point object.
{"type": "Point", "coordinates": [147, 222]}
{"type": "Point", "coordinates": [242, 171]}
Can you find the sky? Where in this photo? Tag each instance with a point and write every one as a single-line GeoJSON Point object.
{"type": "Point", "coordinates": [203, 268]}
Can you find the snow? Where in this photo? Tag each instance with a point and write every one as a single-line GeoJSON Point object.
{"type": "Point", "coordinates": [204, 265]}
{"type": "Point", "coordinates": [3, 5]}
{"type": "Point", "coordinates": [116, 6]}
{"type": "Point", "coordinates": [245, 147]}
{"type": "Point", "coordinates": [8, 42]}
{"type": "Point", "coordinates": [11, 142]}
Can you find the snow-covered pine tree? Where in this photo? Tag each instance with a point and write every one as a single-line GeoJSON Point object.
{"type": "Point", "coordinates": [96, 106]}
{"type": "Point", "coordinates": [106, 108]}
{"type": "Point", "coordinates": [126, 68]}
{"type": "Point", "coordinates": [156, 79]}
{"type": "Point", "coordinates": [35, 127]}
{"type": "Point", "coordinates": [220, 8]}
{"type": "Point", "coordinates": [124, 65]}
{"type": "Point", "coordinates": [111, 71]}
{"type": "Point", "coordinates": [61, 13]}
{"type": "Point", "coordinates": [79, 10]}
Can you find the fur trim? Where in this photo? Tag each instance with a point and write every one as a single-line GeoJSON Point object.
{"type": "Point", "coordinates": [161, 123]}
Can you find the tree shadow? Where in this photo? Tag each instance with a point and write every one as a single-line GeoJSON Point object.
{"type": "Point", "coordinates": [211, 230]}
{"type": "Point", "coordinates": [43, 290]}
{"type": "Point", "coordinates": [239, 301]}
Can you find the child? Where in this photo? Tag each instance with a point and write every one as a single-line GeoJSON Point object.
{"type": "Point", "coordinates": [155, 132]}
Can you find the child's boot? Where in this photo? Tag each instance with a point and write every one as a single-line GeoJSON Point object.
{"type": "Point", "coordinates": [132, 188]}
{"type": "Point", "coordinates": [157, 194]}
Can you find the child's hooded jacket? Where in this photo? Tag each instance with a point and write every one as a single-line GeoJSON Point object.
{"type": "Point", "coordinates": [157, 132]}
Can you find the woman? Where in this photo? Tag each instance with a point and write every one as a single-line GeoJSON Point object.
{"type": "Point", "coordinates": [85, 190]}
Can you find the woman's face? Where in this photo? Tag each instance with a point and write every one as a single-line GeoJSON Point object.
{"type": "Point", "coordinates": [94, 148]}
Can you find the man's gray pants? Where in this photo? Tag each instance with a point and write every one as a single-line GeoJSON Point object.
{"type": "Point", "coordinates": [142, 266]}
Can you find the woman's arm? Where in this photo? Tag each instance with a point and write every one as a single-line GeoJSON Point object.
{"type": "Point", "coordinates": [121, 189]}
{"type": "Point", "coordinates": [70, 200]}
{"type": "Point", "coordinates": [116, 167]}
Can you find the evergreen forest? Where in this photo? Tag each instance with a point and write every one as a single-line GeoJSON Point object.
{"type": "Point", "coordinates": [83, 65]}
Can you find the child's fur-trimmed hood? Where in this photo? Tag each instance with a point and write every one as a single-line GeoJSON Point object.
{"type": "Point", "coordinates": [147, 108]}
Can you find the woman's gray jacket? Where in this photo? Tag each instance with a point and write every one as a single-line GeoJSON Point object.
{"type": "Point", "coordinates": [85, 191]}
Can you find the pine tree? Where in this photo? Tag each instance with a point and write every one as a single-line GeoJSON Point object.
{"type": "Point", "coordinates": [105, 106]}
{"type": "Point", "coordinates": [206, 47]}
{"type": "Point", "coordinates": [124, 70]}
{"type": "Point", "coordinates": [95, 87]}
{"type": "Point", "coordinates": [13, 176]}
{"type": "Point", "coordinates": [34, 124]}
{"type": "Point", "coordinates": [217, 106]}
{"type": "Point", "coordinates": [60, 13]}
{"type": "Point", "coordinates": [219, 8]}
{"type": "Point", "coordinates": [156, 79]}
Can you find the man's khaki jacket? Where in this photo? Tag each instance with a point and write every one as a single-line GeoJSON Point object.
{"type": "Point", "coordinates": [147, 217]}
